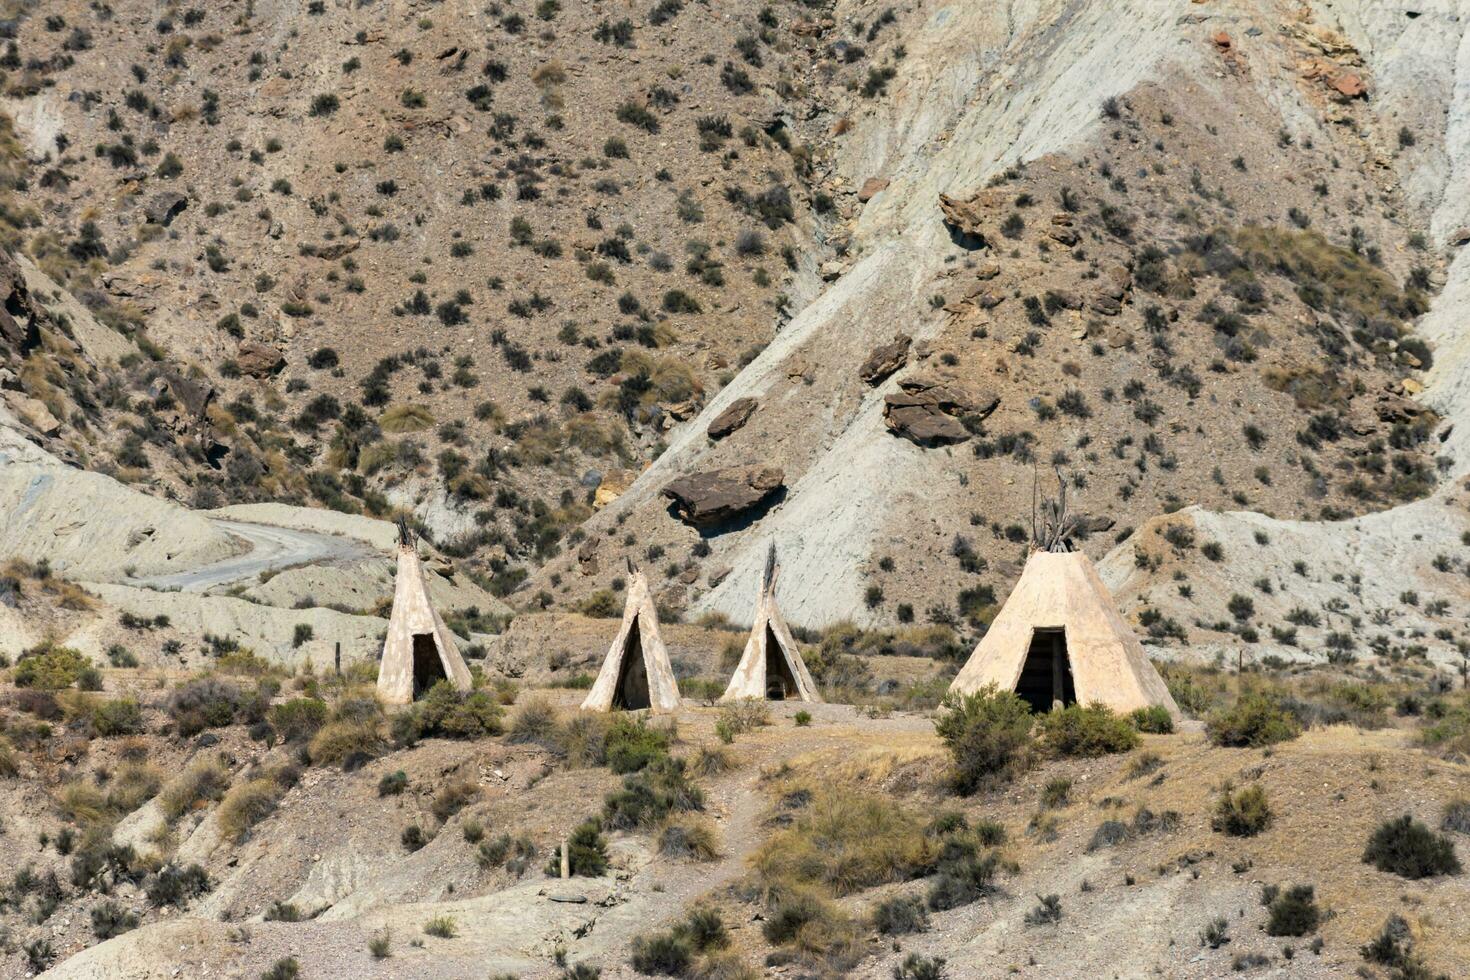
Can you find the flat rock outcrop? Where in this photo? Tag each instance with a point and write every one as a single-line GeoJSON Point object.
{"type": "Point", "coordinates": [708, 499]}
{"type": "Point", "coordinates": [732, 418]}
{"type": "Point", "coordinates": [928, 409]}
{"type": "Point", "coordinates": [885, 359]}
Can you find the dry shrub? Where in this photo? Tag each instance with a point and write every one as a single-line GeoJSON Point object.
{"type": "Point", "coordinates": [338, 741]}
{"type": "Point", "coordinates": [134, 784]}
{"type": "Point", "coordinates": [203, 782]}
{"type": "Point", "coordinates": [847, 840]}
{"type": "Point", "coordinates": [245, 805]}
{"type": "Point", "coordinates": [689, 837]}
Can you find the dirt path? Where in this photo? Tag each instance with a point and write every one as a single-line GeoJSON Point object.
{"type": "Point", "coordinates": [271, 549]}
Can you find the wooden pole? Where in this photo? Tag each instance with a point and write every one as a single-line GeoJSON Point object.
{"type": "Point", "coordinates": [337, 657]}
{"type": "Point", "coordinates": [566, 860]}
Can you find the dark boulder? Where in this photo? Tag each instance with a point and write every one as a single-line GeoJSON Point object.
{"type": "Point", "coordinates": [885, 359]}
{"type": "Point", "coordinates": [709, 499]}
{"type": "Point", "coordinates": [732, 418]}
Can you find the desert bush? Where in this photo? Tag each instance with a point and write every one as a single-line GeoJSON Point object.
{"type": "Point", "coordinates": [119, 716]}
{"type": "Point", "coordinates": [49, 668]}
{"type": "Point", "coordinates": [988, 734]}
{"type": "Point", "coordinates": [848, 840]}
{"type": "Point", "coordinates": [964, 875]}
{"type": "Point", "coordinates": [110, 919]}
{"type": "Point", "coordinates": [662, 954]}
{"type": "Point", "coordinates": [413, 838]}
{"type": "Point", "coordinates": [174, 886]}
{"type": "Point", "coordinates": [688, 837]}
{"type": "Point", "coordinates": [586, 852]}
{"type": "Point", "coordinates": [534, 721]}
{"type": "Point", "coordinates": [440, 926]}
{"type": "Point", "coordinates": [133, 784]}
{"type": "Point", "coordinates": [1086, 731]}
{"type": "Point", "coordinates": [393, 783]}
{"type": "Point", "coordinates": [630, 744]}
{"type": "Point", "coordinates": [582, 739]}
{"type": "Point", "coordinates": [298, 719]}
{"type": "Point", "coordinates": [900, 916]}
{"type": "Point", "coordinates": [650, 795]}
{"type": "Point", "coordinates": [1154, 719]}
{"type": "Point", "coordinates": [1456, 816]}
{"type": "Point", "coordinates": [447, 713]}
{"type": "Point", "coordinates": [1407, 848]}
{"type": "Point", "coordinates": [211, 702]}
{"type": "Point", "coordinates": [203, 782]}
{"type": "Point", "coordinates": [1256, 719]}
{"type": "Point", "coordinates": [453, 798]}
{"type": "Point", "coordinates": [339, 743]}
{"type": "Point", "coordinates": [245, 805]}
{"type": "Point", "coordinates": [1293, 912]}
{"type": "Point", "coordinates": [1242, 814]}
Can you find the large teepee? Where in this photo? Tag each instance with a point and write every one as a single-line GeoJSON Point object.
{"type": "Point", "coordinates": [1059, 637]}
{"type": "Point", "coordinates": [771, 666]}
{"type": "Point", "coordinates": [420, 649]}
{"type": "Point", "coordinates": [637, 672]}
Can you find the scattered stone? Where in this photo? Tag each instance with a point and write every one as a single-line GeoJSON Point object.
{"type": "Point", "coordinates": [871, 187]}
{"type": "Point", "coordinates": [987, 270]}
{"type": "Point", "coordinates": [1349, 86]}
{"type": "Point", "coordinates": [833, 270]}
{"type": "Point", "coordinates": [885, 359]}
{"type": "Point", "coordinates": [713, 497]}
{"type": "Point", "coordinates": [259, 360]}
{"type": "Point", "coordinates": [613, 486]}
{"type": "Point", "coordinates": [719, 575]}
{"type": "Point", "coordinates": [162, 208]}
{"type": "Point", "coordinates": [927, 409]}
{"type": "Point", "coordinates": [34, 412]}
{"type": "Point", "coordinates": [732, 418]}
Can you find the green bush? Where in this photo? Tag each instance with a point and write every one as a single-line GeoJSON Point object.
{"type": "Point", "coordinates": [393, 783]}
{"type": "Point", "coordinates": [988, 734]}
{"type": "Point", "coordinates": [1155, 719]}
{"type": "Point", "coordinates": [662, 954]}
{"type": "Point", "coordinates": [1294, 912]}
{"type": "Point", "coordinates": [49, 668]}
{"type": "Point", "coordinates": [211, 702]}
{"type": "Point", "coordinates": [1086, 731]}
{"type": "Point", "coordinates": [901, 915]}
{"type": "Point", "coordinates": [1409, 849]}
{"type": "Point", "coordinates": [630, 745]}
{"type": "Point", "coordinates": [1256, 719]}
{"type": "Point", "coordinates": [176, 886]}
{"type": "Point", "coordinates": [650, 795]}
{"type": "Point", "coordinates": [586, 852]}
{"type": "Point", "coordinates": [121, 716]}
{"type": "Point", "coordinates": [299, 719]}
{"type": "Point", "coordinates": [446, 713]}
{"type": "Point", "coordinates": [1242, 814]}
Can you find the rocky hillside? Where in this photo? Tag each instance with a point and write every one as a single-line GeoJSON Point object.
{"type": "Point", "coordinates": [574, 283]}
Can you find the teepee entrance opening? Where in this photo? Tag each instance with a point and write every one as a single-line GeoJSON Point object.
{"type": "Point", "coordinates": [1046, 676]}
{"type": "Point", "coordinates": [780, 681]}
{"type": "Point", "coordinates": [427, 667]}
{"type": "Point", "coordinates": [631, 693]}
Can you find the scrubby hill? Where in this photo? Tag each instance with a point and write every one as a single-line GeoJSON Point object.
{"type": "Point", "coordinates": [486, 265]}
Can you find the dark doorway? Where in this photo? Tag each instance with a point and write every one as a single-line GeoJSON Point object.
{"type": "Point", "coordinates": [632, 690]}
{"type": "Point", "coordinates": [1047, 674]}
{"type": "Point", "coordinates": [780, 681]}
{"type": "Point", "coordinates": [427, 667]}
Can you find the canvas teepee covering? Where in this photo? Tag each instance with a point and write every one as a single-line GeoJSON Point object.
{"type": "Point", "coordinates": [637, 672]}
{"type": "Point", "coordinates": [420, 649]}
{"type": "Point", "coordinates": [771, 666]}
{"type": "Point", "coordinates": [1059, 637]}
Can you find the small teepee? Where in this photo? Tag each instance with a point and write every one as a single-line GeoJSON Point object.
{"type": "Point", "coordinates": [420, 650]}
{"type": "Point", "coordinates": [637, 673]}
{"type": "Point", "coordinates": [771, 666]}
{"type": "Point", "coordinates": [1059, 637]}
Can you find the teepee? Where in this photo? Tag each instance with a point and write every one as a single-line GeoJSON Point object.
{"type": "Point", "coordinates": [1059, 636]}
{"type": "Point", "coordinates": [420, 649]}
{"type": "Point", "coordinates": [771, 666]}
{"type": "Point", "coordinates": [636, 673]}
